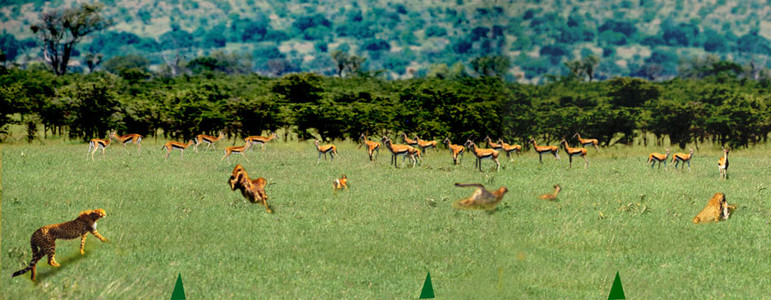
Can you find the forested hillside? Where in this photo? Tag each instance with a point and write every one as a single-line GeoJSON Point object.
{"type": "Point", "coordinates": [407, 38]}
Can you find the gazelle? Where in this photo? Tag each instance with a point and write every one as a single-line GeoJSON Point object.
{"type": "Point", "coordinates": [425, 144]}
{"type": "Point", "coordinates": [236, 149]}
{"type": "Point", "coordinates": [331, 149]}
{"type": "Point", "coordinates": [492, 145]}
{"type": "Point", "coordinates": [483, 154]}
{"type": "Point", "coordinates": [97, 144]}
{"type": "Point", "coordinates": [509, 148]}
{"type": "Point", "coordinates": [722, 164]}
{"type": "Point", "coordinates": [658, 157]}
{"type": "Point", "coordinates": [455, 150]}
{"type": "Point", "coordinates": [408, 141]}
{"type": "Point", "coordinates": [554, 150]}
{"type": "Point", "coordinates": [399, 150]}
{"type": "Point", "coordinates": [373, 148]}
{"type": "Point", "coordinates": [587, 142]}
{"type": "Point", "coordinates": [128, 139]}
{"type": "Point", "coordinates": [208, 139]}
{"type": "Point", "coordinates": [552, 196]}
{"type": "Point", "coordinates": [256, 139]}
{"type": "Point", "coordinates": [172, 145]}
{"type": "Point", "coordinates": [682, 157]}
{"type": "Point", "coordinates": [574, 152]}
{"type": "Point", "coordinates": [339, 184]}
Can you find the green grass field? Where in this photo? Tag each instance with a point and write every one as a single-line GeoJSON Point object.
{"type": "Point", "coordinates": [378, 239]}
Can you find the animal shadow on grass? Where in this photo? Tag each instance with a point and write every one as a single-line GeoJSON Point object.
{"type": "Point", "coordinates": [66, 262]}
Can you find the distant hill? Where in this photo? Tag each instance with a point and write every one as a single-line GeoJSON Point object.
{"type": "Point", "coordinates": [417, 37]}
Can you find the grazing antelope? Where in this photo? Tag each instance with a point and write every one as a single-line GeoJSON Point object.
{"type": "Point", "coordinates": [397, 150]}
{"type": "Point", "coordinates": [554, 150]}
{"type": "Point", "coordinates": [722, 164]}
{"type": "Point", "coordinates": [455, 150]}
{"type": "Point", "coordinates": [425, 144]}
{"type": "Point", "coordinates": [169, 146]}
{"type": "Point", "coordinates": [509, 148]}
{"type": "Point", "coordinates": [408, 141]}
{"type": "Point", "coordinates": [255, 139]}
{"type": "Point", "coordinates": [373, 148]}
{"type": "Point", "coordinates": [658, 157]}
{"type": "Point", "coordinates": [339, 184]}
{"type": "Point", "coordinates": [483, 154]}
{"type": "Point", "coordinates": [717, 209]}
{"type": "Point", "coordinates": [128, 139]}
{"type": "Point", "coordinates": [575, 151]}
{"type": "Point", "coordinates": [236, 149]}
{"type": "Point", "coordinates": [253, 190]}
{"type": "Point", "coordinates": [552, 196]}
{"type": "Point", "coordinates": [331, 149]}
{"type": "Point", "coordinates": [682, 157]}
{"type": "Point", "coordinates": [481, 198]}
{"type": "Point", "coordinates": [97, 144]}
{"type": "Point", "coordinates": [587, 142]}
{"type": "Point", "coordinates": [492, 145]}
{"type": "Point", "coordinates": [208, 139]}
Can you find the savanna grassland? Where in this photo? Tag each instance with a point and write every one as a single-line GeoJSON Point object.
{"type": "Point", "coordinates": [378, 239]}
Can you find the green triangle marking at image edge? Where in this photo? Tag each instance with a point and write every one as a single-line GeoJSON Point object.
{"type": "Point", "coordinates": [617, 291]}
{"type": "Point", "coordinates": [428, 289]}
{"type": "Point", "coordinates": [179, 291]}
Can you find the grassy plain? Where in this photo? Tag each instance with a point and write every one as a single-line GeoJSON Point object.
{"type": "Point", "coordinates": [378, 239]}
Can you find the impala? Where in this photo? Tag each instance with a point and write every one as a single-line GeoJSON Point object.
{"type": "Point", "coordinates": [208, 139]}
{"type": "Point", "coordinates": [373, 148]}
{"type": "Point", "coordinates": [554, 150]}
{"type": "Point", "coordinates": [587, 142]}
{"type": "Point", "coordinates": [574, 152]}
{"type": "Point", "coordinates": [455, 150]}
{"type": "Point", "coordinates": [397, 150]}
{"type": "Point", "coordinates": [492, 145]}
{"type": "Point", "coordinates": [255, 139]}
{"type": "Point", "coordinates": [425, 144]}
{"type": "Point", "coordinates": [483, 154]}
{"type": "Point", "coordinates": [128, 139]}
{"type": "Point", "coordinates": [682, 157]}
{"type": "Point", "coordinates": [509, 148]}
{"type": "Point", "coordinates": [97, 144]}
{"type": "Point", "coordinates": [408, 141]}
{"type": "Point", "coordinates": [658, 157]}
{"type": "Point", "coordinates": [236, 149]}
{"type": "Point", "coordinates": [169, 146]}
{"type": "Point", "coordinates": [722, 164]}
{"type": "Point", "coordinates": [331, 149]}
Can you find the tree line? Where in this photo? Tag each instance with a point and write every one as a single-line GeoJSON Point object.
{"type": "Point", "coordinates": [718, 109]}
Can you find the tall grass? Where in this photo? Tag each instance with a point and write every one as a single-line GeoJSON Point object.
{"type": "Point", "coordinates": [378, 239]}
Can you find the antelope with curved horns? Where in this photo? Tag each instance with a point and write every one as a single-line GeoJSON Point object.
{"type": "Point", "coordinates": [256, 139]}
{"type": "Point", "coordinates": [236, 149]}
{"type": "Point", "coordinates": [172, 145]}
{"type": "Point", "coordinates": [373, 148]}
{"type": "Point", "coordinates": [587, 142]}
{"type": "Point", "coordinates": [326, 149]}
{"type": "Point", "coordinates": [660, 158]}
{"type": "Point", "coordinates": [397, 150]}
{"type": "Point", "coordinates": [455, 150]}
{"type": "Point", "coordinates": [208, 139]}
{"type": "Point", "coordinates": [554, 150]}
{"type": "Point", "coordinates": [128, 139]}
{"type": "Point", "coordinates": [423, 144]}
{"type": "Point", "coordinates": [682, 157]}
{"type": "Point", "coordinates": [408, 141]}
{"type": "Point", "coordinates": [97, 144]}
{"type": "Point", "coordinates": [492, 145]}
{"type": "Point", "coordinates": [575, 151]}
{"type": "Point", "coordinates": [483, 154]}
{"type": "Point", "coordinates": [722, 164]}
{"type": "Point", "coordinates": [509, 148]}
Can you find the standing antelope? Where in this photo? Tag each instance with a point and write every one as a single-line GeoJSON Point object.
{"type": "Point", "coordinates": [397, 150]}
{"type": "Point", "coordinates": [408, 141]}
{"type": "Point", "coordinates": [127, 139]}
{"type": "Point", "coordinates": [682, 157]}
{"type": "Point", "coordinates": [492, 145]}
{"type": "Point", "coordinates": [509, 148]}
{"type": "Point", "coordinates": [425, 144]}
{"type": "Point", "coordinates": [483, 154]}
{"type": "Point", "coordinates": [255, 139]}
{"type": "Point", "coordinates": [208, 139]}
{"type": "Point", "coordinates": [722, 164]}
{"type": "Point", "coordinates": [587, 142]}
{"type": "Point", "coordinates": [373, 148]}
{"type": "Point", "coordinates": [169, 146]}
{"type": "Point", "coordinates": [97, 144]}
{"type": "Point", "coordinates": [575, 151]}
{"type": "Point", "coordinates": [455, 150]}
{"type": "Point", "coordinates": [554, 150]}
{"type": "Point", "coordinates": [331, 149]}
{"type": "Point", "coordinates": [236, 149]}
{"type": "Point", "coordinates": [658, 157]}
